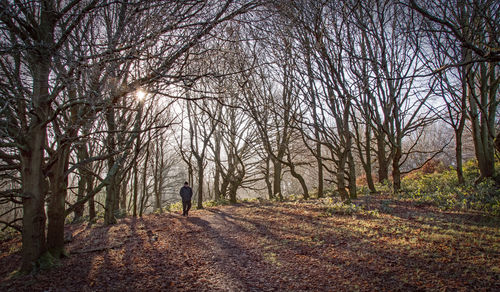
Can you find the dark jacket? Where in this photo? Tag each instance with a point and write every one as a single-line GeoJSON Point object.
{"type": "Point", "coordinates": [186, 193]}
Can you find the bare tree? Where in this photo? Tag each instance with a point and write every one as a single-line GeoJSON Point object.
{"type": "Point", "coordinates": [33, 37]}
{"type": "Point", "coordinates": [471, 28]}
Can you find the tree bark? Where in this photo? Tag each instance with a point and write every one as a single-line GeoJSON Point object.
{"type": "Point", "coordinates": [267, 178]}
{"type": "Point", "coordinates": [55, 209]}
{"type": "Point", "coordinates": [299, 177]}
{"type": "Point", "coordinates": [199, 161]}
{"type": "Point", "coordinates": [217, 161]}
{"type": "Point", "coordinates": [145, 196]}
{"type": "Point", "coordinates": [111, 187]}
{"type": "Point", "coordinates": [277, 179]}
{"type": "Point", "coordinates": [352, 175]}
{"type": "Point", "coordinates": [82, 154]}
{"type": "Point", "coordinates": [383, 162]}
{"type": "Point", "coordinates": [458, 156]}
{"type": "Point", "coordinates": [34, 184]}
{"type": "Point", "coordinates": [34, 189]}
{"type": "Point", "coordinates": [480, 116]}
{"type": "Point", "coordinates": [396, 172]}
{"type": "Point", "coordinates": [90, 186]}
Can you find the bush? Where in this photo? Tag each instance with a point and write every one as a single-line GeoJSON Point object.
{"type": "Point", "coordinates": [213, 203]}
{"type": "Point", "coordinates": [442, 190]}
{"type": "Point", "coordinates": [8, 234]}
{"type": "Point", "coordinates": [177, 206]}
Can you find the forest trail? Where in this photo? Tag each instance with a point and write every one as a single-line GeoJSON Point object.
{"type": "Point", "coordinates": [276, 247]}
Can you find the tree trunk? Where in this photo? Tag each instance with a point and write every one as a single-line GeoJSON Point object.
{"type": "Point", "coordinates": [319, 161]}
{"type": "Point", "coordinates": [383, 162]}
{"type": "Point", "coordinates": [301, 180]}
{"type": "Point", "coordinates": [481, 124]}
{"type": "Point", "coordinates": [368, 160]}
{"type": "Point", "coordinates": [33, 179]}
{"type": "Point", "coordinates": [225, 184]}
{"type": "Point", "coordinates": [82, 183]}
{"type": "Point", "coordinates": [341, 172]}
{"type": "Point", "coordinates": [396, 172]}
{"type": "Point", "coordinates": [233, 188]}
{"type": "Point", "coordinates": [458, 157]}
{"type": "Point", "coordinates": [123, 193]}
{"type": "Point", "coordinates": [34, 191]}
{"type": "Point", "coordinates": [135, 168]}
{"type": "Point", "coordinates": [267, 178]}
{"type": "Point", "coordinates": [57, 199]}
{"type": "Point", "coordinates": [82, 187]}
{"type": "Point", "coordinates": [199, 161]}
{"type": "Point", "coordinates": [145, 195]}
{"type": "Point", "coordinates": [90, 186]}
{"type": "Point", "coordinates": [158, 177]}
{"type": "Point", "coordinates": [352, 175]}
{"type": "Point", "coordinates": [217, 146]}
{"type": "Point", "coordinates": [277, 180]}
{"type": "Point", "coordinates": [111, 187]}
{"type": "Point", "coordinates": [136, 189]}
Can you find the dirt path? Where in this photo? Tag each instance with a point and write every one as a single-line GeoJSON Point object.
{"type": "Point", "coordinates": [274, 247]}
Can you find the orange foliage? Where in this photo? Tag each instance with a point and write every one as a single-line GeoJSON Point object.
{"type": "Point", "coordinates": [431, 166]}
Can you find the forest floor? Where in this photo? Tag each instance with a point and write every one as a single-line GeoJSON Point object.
{"type": "Point", "coordinates": [385, 244]}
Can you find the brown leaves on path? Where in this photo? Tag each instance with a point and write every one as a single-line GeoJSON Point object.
{"type": "Point", "coordinates": [273, 247]}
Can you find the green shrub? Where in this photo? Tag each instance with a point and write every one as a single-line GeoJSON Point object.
{"type": "Point", "coordinates": [177, 206]}
{"type": "Point", "coordinates": [8, 234]}
{"type": "Point", "coordinates": [443, 191]}
{"type": "Point", "coordinates": [213, 203]}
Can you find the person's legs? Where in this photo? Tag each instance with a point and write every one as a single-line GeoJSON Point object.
{"type": "Point", "coordinates": [188, 207]}
{"type": "Point", "coordinates": [184, 208]}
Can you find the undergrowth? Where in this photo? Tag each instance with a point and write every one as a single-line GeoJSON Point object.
{"type": "Point", "coordinates": [441, 189]}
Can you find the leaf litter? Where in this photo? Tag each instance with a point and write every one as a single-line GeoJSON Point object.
{"type": "Point", "coordinates": [294, 246]}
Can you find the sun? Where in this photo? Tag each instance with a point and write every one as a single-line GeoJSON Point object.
{"type": "Point", "coordinates": [140, 94]}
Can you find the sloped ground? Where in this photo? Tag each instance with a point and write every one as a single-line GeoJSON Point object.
{"type": "Point", "coordinates": [277, 247]}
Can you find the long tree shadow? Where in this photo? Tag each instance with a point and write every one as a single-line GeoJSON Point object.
{"type": "Point", "coordinates": [300, 266]}
{"type": "Point", "coordinates": [228, 261]}
{"type": "Point", "coordinates": [391, 256]}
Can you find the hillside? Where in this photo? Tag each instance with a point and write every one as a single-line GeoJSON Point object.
{"type": "Point", "coordinates": [378, 244]}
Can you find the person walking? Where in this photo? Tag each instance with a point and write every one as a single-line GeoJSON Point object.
{"type": "Point", "coordinates": [186, 193]}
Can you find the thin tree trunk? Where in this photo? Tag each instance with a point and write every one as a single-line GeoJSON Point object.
{"type": "Point", "coordinates": [90, 186]}
{"type": "Point", "coordinates": [341, 172]}
{"type": "Point", "coordinates": [352, 175]}
{"type": "Point", "coordinates": [135, 168]}
{"type": "Point", "coordinates": [319, 161]}
{"type": "Point", "coordinates": [111, 187]}
{"type": "Point", "coordinates": [82, 187]}
{"type": "Point", "coordinates": [458, 157]}
{"type": "Point", "coordinates": [82, 184]}
{"type": "Point", "coordinates": [200, 182]}
{"type": "Point", "coordinates": [145, 195]}
{"type": "Point", "coordinates": [396, 172]}
{"type": "Point", "coordinates": [124, 192]}
{"type": "Point", "coordinates": [368, 161]}
{"type": "Point", "coordinates": [217, 146]}
{"type": "Point", "coordinates": [299, 177]}
{"type": "Point", "coordinates": [267, 178]}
